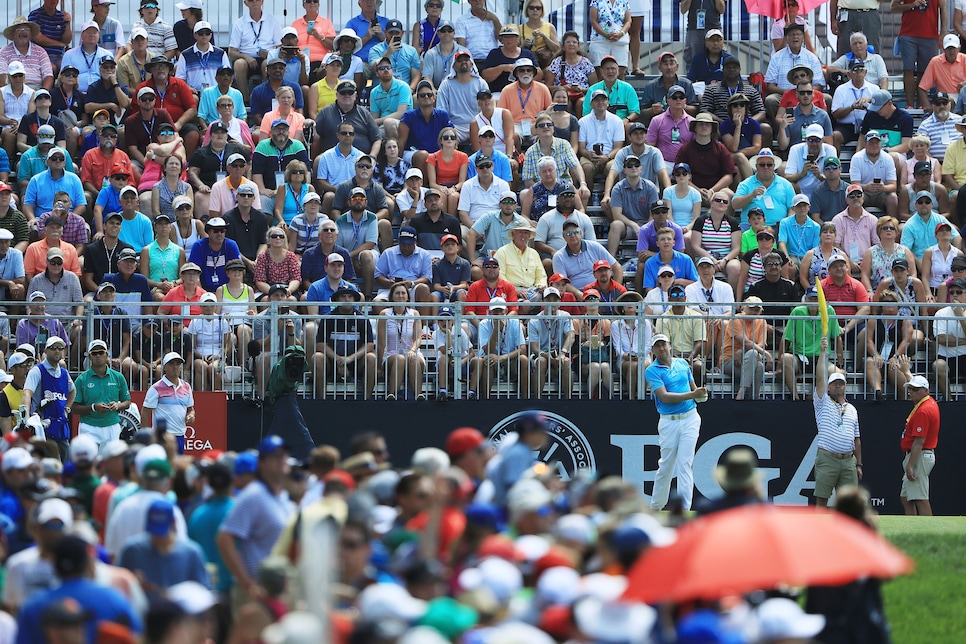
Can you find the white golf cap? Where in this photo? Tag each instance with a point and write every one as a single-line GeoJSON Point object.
{"type": "Point", "coordinates": [202, 24]}
{"type": "Point", "coordinates": [55, 341]}
{"type": "Point", "coordinates": [919, 382]}
{"type": "Point", "coordinates": [334, 257]}
{"type": "Point", "coordinates": [800, 198]}
{"type": "Point", "coordinates": [414, 172]}
{"type": "Point", "coordinates": [172, 355]}
{"type": "Point", "coordinates": [836, 377]}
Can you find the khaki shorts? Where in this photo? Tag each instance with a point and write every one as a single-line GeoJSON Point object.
{"type": "Point", "coordinates": [832, 472]}
{"type": "Point", "coordinates": [918, 490]}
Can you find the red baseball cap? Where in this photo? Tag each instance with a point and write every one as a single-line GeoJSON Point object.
{"type": "Point", "coordinates": [498, 545]}
{"type": "Point", "coordinates": [558, 277]}
{"type": "Point", "coordinates": [943, 224]}
{"type": "Point", "coordinates": [601, 263]}
{"type": "Point", "coordinates": [462, 440]}
{"type": "Point", "coordinates": [340, 476]}
{"type": "Point", "coordinates": [5, 188]}
{"type": "Point", "coordinates": [117, 168]}
{"type": "Point", "coordinates": [447, 238]}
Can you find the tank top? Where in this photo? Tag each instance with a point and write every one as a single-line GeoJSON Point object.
{"type": "Point", "coordinates": [166, 196]}
{"type": "Point", "coordinates": [399, 331]}
{"type": "Point", "coordinates": [164, 262]}
{"type": "Point", "coordinates": [717, 241]}
{"type": "Point", "coordinates": [428, 34]}
{"type": "Point", "coordinates": [819, 266]}
{"type": "Point", "coordinates": [185, 242]}
{"type": "Point", "coordinates": [882, 264]}
{"type": "Point", "coordinates": [942, 267]}
{"type": "Point", "coordinates": [906, 296]}
{"type": "Point", "coordinates": [293, 204]}
{"type": "Point", "coordinates": [235, 307]}
{"type": "Point", "coordinates": [497, 124]}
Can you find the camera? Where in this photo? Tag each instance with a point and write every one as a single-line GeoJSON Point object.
{"type": "Point", "coordinates": [599, 148]}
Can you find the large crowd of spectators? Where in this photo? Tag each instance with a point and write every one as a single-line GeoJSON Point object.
{"type": "Point", "coordinates": [475, 542]}
{"type": "Point", "coordinates": [470, 206]}
{"type": "Point", "coordinates": [461, 162]}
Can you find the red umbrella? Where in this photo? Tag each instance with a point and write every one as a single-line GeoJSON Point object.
{"type": "Point", "coordinates": [762, 547]}
{"type": "Point", "coordinates": [776, 8]}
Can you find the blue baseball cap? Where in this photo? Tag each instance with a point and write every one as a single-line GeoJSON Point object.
{"type": "Point", "coordinates": [246, 463]}
{"type": "Point", "coordinates": [811, 292]}
{"type": "Point", "coordinates": [160, 518]}
{"type": "Point", "coordinates": [278, 122]}
{"type": "Point", "coordinates": [270, 445]}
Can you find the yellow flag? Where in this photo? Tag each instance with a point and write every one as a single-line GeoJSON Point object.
{"type": "Point", "coordinates": [822, 308]}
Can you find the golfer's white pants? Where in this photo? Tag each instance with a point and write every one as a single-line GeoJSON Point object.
{"type": "Point", "coordinates": [100, 434]}
{"type": "Point", "coordinates": [678, 438]}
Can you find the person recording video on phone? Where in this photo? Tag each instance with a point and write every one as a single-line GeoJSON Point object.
{"type": "Point", "coordinates": [806, 160]}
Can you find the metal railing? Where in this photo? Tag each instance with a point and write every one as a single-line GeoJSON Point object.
{"type": "Point", "coordinates": [607, 355]}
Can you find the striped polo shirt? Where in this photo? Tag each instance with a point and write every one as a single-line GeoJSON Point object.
{"type": "Point", "coordinates": [170, 402]}
{"type": "Point", "coordinates": [199, 69]}
{"type": "Point", "coordinates": [838, 425]}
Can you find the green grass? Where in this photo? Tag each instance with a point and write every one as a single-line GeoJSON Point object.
{"type": "Point", "coordinates": [928, 605]}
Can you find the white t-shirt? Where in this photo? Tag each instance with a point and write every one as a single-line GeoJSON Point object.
{"type": "Point", "coordinates": [606, 133]}
{"type": "Point", "coordinates": [946, 323]}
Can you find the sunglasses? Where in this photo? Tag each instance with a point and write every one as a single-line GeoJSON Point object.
{"type": "Point", "coordinates": [357, 198]}
{"type": "Point", "coordinates": [364, 166]}
{"type": "Point", "coordinates": [383, 68]}
{"type": "Point", "coordinates": [766, 165]}
{"type": "Point", "coordinates": [217, 231]}
{"type": "Point", "coordinates": [854, 195]}
{"type": "Point", "coordinates": [534, 7]}
{"type": "Point", "coordinates": [70, 74]}
{"type": "Point", "coordinates": [425, 95]}
{"type": "Point", "coordinates": [347, 133]}
{"type": "Point", "coordinates": [764, 237]}
{"type": "Point", "coordinates": [276, 236]}
{"type": "Point", "coordinates": [921, 201]}
{"type": "Point", "coordinates": [773, 263]}
{"type": "Point", "coordinates": [245, 195]}
{"type": "Point", "coordinates": [129, 196]}
{"type": "Point", "coordinates": [147, 98]}
{"type": "Point", "coordinates": [805, 92]}
{"type": "Point", "coordinates": [679, 173]}
{"type": "Point", "coordinates": [956, 292]}
{"type": "Point", "coordinates": [484, 166]}
{"type": "Point", "coordinates": [544, 126]}
{"type": "Point", "coordinates": [97, 353]}
{"type": "Point", "coordinates": [55, 262]}
{"type": "Point", "coordinates": [330, 230]}
{"type": "Point", "coordinates": [507, 202]}
{"type": "Point", "coordinates": [238, 165]}
{"type": "Point", "coordinates": [185, 206]}
{"type": "Point", "coordinates": [225, 105]}
{"type": "Point", "coordinates": [678, 97]}
{"type": "Point", "coordinates": [298, 171]}
{"type": "Point", "coordinates": [166, 133]}
{"type": "Point", "coordinates": [57, 159]}
{"type": "Point", "coordinates": [719, 200]}
{"type": "Point", "coordinates": [434, 5]}
{"type": "Point", "coordinates": [347, 92]}
{"type": "Point", "coordinates": [572, 233]}
{"type": "Point", "coordinates": [449, 137]}
{"type": "Point", "coordinates": [203, 32]}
